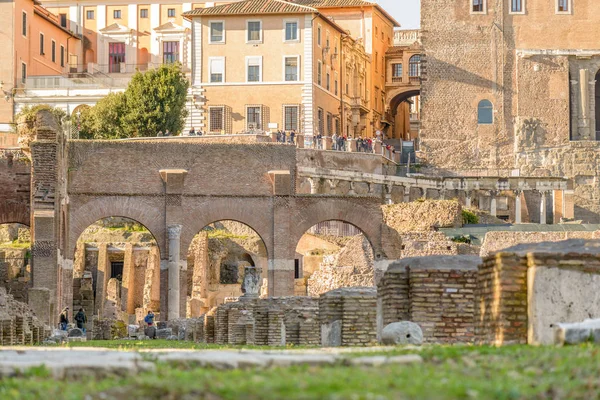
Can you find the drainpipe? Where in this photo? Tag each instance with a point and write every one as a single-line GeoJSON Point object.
{"type": "Point", "coordinates": [342, 73]}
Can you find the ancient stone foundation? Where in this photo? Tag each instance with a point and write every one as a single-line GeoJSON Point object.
{"type": "Point", "coordinates": [523, 291]}
{"type": "Point", "coordinates": [18, 324]}
{"type": "Point", "coordinates": [436, 292]}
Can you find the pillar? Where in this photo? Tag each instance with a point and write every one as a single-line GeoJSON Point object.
{"type": "Point", "coordinates": [493, 211]}
{"type": "Point", "coordinates": [314, 185]}
{"type": "Point", "coordinates": [174, 232]}
{"type": "Point", "coordinates": [584, 121]}
{"type": "Point", "coordinates": [407, 194]}
{"type": "Point", "coordinates": [328, 143]}
{"type": "Point", "coordinates": [543, 207]}
{"type": "Point", "coordinates": [518, 218]}
{"type": "Point", "coordinates": [300, 141]}
{"type": "Point", "coordinates": [388, 194]}
{"type": "Point", "coordinates": [351, 192]}
{"type": "Point", "coordinates": [468, 195]}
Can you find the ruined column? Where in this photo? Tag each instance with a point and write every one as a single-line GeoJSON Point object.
{"type": "Point", "coordinates": [388, 194]}
{"type": "Point", "coordinates": [543, 207]}
{"type": "Point", "coordinates": [407, 194]}
{"type": "Point", "coordinates": [314, 185]}
{"type": "Point", "coordinates": [174, 232]}
{"type": "Point", "coordinates": [468, 195]}
{"type": "Point", "coordinates": [493, 208]}
{"type": "Point", "coordinates": [518, 207]}
{"type": "Point", "coordinates": [584, 123]}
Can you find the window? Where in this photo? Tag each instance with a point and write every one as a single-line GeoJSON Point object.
{"type": "Point", "coordinates": [291, 69]}
{"type": "Point", "coordinates": [329, 124]}
{"type": "Point", "coordinates": [396, 73]}
{"type": "Point", "coordinates": [23, 73]}
{"type": "Point", "coordinates": [485, 112]}
{"type": "Point", "coordinates": [217, 32]}
{"type": "Point", "coordinates": [477, 6]}
{"type": "Point", "coordinates": [376, 61]}
{"type": "Point", "coordinates": [116, 56]}
{"type": "Point", "coordinates": [328, 81]}
{"type": "Point", "coordinates": [117, 14]}
{"type": "Point", "coordinates": [24, 27]}
{"type": "Point", "coordinates": [516, 6]}
{"type": "Point", "coordinates": [327, 40]}
{"type": "Point", "coordinates": [291, 31]}
{"type": "Point", "coordinates": [53, 51]}
{"type": "Point", "coordinates": [144, 13]}
{"type": "Point", "coordinates": [62, 56]}
{"type": "Point", "coordinates": [217, 69]}
{"type": "Point", "coordinates": [254, 31]}
{"type": "Point", "coordinates": [89, 14]}
{"type": "Point", "coordinates": [290, 118]}
{"type": "Point", "coordinates": [41, 44]}
{"type": "Point", "coordinates": [296, 269]}
{"type": "Point", "coordinates": [171, 12]}
{"type": "Point", "coordinates": [414, 66]}
{"type": "Point", "coordinates": [320, 120]}
{"type": "Point", "coordinates": [319, 73]}
{"type": "Point", "coordinates": [253, 69]}
{"type": "Point", "coordinates": [170, 52]}
{"type": "Point", "coordinates": [63, 20]}
{"type": "Point", "coordinates": [335, 84]}
{"type": "Point", "coordinates": [563, 6]}
{"type": "Point", "coordinates": [216, 116]}
{"type": "Point", "coordinates": [253, 117]}
{"type": "Point", "coordinates": [319, 36]}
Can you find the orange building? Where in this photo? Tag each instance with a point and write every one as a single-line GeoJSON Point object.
{"type": "Point", "coordinates": [37, 45]}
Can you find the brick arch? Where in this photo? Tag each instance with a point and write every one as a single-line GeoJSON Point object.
{"type": "Point", "coordinates": [367, 218]}
{"type": "Point", "coordinates": [253, 213]}
{"type": "Point", "coordinates": [138, 209]}
{"type": "Point", "coordinates": [14, 213]}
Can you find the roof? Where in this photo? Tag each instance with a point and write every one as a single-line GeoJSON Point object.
{"type": "Point", "coordinates": [250, 7]}
{"type": "Point", "coordinates": [52, 18]}
{"type": "Point", "coordinates": [346, 3]}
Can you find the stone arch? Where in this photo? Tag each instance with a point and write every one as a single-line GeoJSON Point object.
{"type": "Point", "coordinates": [134, 208]}
{"type": "Point", "coordinates": [256, 217]}
{"type": "Point", "coordinates": [367, 219]}
{"type": "Point", "coordinates": [14, 213]}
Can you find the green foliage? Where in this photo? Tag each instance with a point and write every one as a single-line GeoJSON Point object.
{"type": "Point", "coordinates": [469, 217]}
{"type": "Point", "coordinates": [118, 329]}
{"type": "Point", "coordinates": [462, 239]}
{"type": "Point", "coordinates": [30, 112]}
{"type": "Point", "coordinates": [153, 101]}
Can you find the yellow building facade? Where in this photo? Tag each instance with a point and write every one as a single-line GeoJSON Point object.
{"type": "Point", "coordinates": [272, 65]}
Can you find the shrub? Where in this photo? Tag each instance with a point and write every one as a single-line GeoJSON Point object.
{"type": "Point", "coordinates": [469, 217]}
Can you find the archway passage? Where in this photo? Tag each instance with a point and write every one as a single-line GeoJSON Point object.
{"type": "Point", "coordinates": [597, 94]}
{"type": "Point", "coordinates": [116, 271]}
{"type": "Point", "coordinates": [216, 262]}
{"type": "Point", "coordinates": [15, 260]}
{"type": "Point", "coordinates": [405, 112]}
{"type": "Point", "coordinates": [330, 255]}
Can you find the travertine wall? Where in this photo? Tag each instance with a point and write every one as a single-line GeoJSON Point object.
{"type": "Point", "coordinates": [436, 292]}
{"type": "Point", "coordinates": [541, 87]}
{"type": "Point", "coordinates": [523, 290]}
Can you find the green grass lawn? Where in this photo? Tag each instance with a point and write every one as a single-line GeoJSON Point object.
{"type": "Point", "coordinates": [461, 372]}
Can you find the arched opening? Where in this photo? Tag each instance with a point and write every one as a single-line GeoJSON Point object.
{"type": "Point", "coordinates": [330, 255]}
{"type": "Point", "coordinates": [597, 96]}
{"type": "Point", "coordinates": [216, 263]}
{"type": "Point", "coordinates": [405, 108]}
{"type": "Point", "coordinates": [15, 259]}
{"type": "Point", "coordinates": [116, 271]}
{"type": "Point", "coordinates": [90, 57]}
{"type": "Point", "coordinates": [485, 112]}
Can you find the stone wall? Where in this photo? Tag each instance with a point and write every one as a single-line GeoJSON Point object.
{"type": "Point", "coordinates": [18, 324]}
{"type": "Point", "coordinates": [496, 241]}
{"type": "Point", "coordinates": [423, 215]}
{"type": "Point", "coordinates": [15, 176]}
{"type": "Point", "coordinates": [522, 291]}
{"type": "Point", "coordinates": [436, 292]}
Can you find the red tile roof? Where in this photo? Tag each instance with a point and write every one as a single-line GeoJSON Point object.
{"type": "Point", "coordinates": [345, 3]}
{"type": "Point", "coordinates": [249, 7]}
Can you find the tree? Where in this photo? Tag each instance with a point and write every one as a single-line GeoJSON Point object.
{"type": "Point", "coordinates": [153, 101]}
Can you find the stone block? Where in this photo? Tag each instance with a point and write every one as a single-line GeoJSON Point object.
{"type": "Point", "coordinates": [331, 334]}
{"type": "Point", "coordinates": [403, 332]}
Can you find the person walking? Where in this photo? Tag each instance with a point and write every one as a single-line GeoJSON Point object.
{"type": "Point", "coordinates": [293, 137]}
{"type": "Point", "coordinates": [334, 141]}
{"type": "Point", "coordinates": [81, 319]}
{"type": "Point", "coordinates": [64, 319]}
{"type": "Point", "coordinates": [150, 330]}
{"type": "Point", "coordinates": [283, 137]}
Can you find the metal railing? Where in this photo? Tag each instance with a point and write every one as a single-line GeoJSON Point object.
{"type": "Point", "coordinates": [396, 79]}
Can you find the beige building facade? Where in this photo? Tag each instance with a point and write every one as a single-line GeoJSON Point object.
{"type": "Point", "coordinates": [286, 68]}
{"type": "Point", "coordinates": [510, 89]}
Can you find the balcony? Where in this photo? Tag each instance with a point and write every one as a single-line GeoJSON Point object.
{"type": "Point", "coordinates": [414, 80]}
{"type": "Point", "coordinates": [358, 103]}
{"type": "Point", "coordinates": [396, 79]}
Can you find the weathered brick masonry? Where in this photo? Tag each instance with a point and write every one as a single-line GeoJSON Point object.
{"type": "Point", "coordinates": [436, 292]}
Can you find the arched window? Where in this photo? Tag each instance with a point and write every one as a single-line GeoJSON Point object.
{"type": "Point", "coordinates": [414, 66]}
{"type": "Point", "coordinates": [485, 112]}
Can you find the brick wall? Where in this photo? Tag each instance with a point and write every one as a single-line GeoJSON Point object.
{"type": "Point", "coordinates": [15, 176]}
{"type": "Point", "coordinates": [436, 292]}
